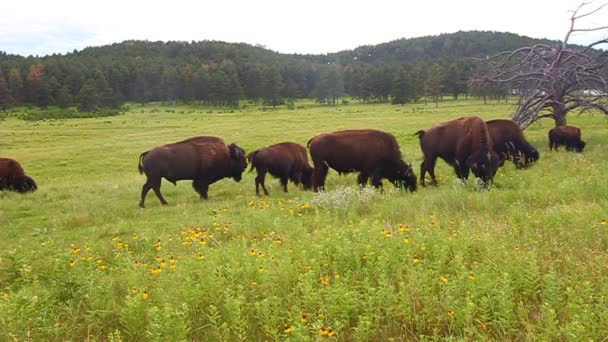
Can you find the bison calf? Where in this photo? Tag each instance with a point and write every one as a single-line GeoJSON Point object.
{"type": "Point", "coordinates": [465, 144]}
{"type": "Point", "coordinates": [508, 139]}
{"type": "Point", "coordinates": [204, 160]}
{"type": "Point", "coordinates": [13, 178]}
{"type": "Point", "coordinates": [286, 161]}
{"type": "Point", "coordinates": [370, 152]}
{"type": "Point", "coordinates": [569, 136]}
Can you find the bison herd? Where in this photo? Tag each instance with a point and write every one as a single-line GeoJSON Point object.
{"type": "Point", "coordinates": [468, 144]}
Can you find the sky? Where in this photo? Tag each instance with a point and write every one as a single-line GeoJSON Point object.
{"type": "Point", "coordinates": [42, 27]}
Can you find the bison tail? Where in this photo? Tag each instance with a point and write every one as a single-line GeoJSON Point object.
{"type": "Point", "coordinates": [420, 133]}
{"type": "Point", "coordinates": [250, 157]}
{"type": "Point", "coordinates": [140, 165]}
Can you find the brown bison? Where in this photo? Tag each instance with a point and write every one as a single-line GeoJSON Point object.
{"type": "Point", "coordinates": [286, 161]}
{"type": "Point", "coordinates": [509, 140]}
{"type": "Point", "coordinates": [464, 143]}
{"type": "Point", "coordinates": [569, 136]}
{"type": "Point", "coordinates": [370, 152]}
{"type": "Point", "coordinates": [203, 159]}
{"type": "Point", "coordinates": [13, 178]}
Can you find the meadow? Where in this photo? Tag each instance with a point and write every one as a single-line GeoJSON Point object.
{"type": "Point", "coordinates": [79, 260]}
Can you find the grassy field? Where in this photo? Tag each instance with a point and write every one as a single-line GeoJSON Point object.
{"type": "Point", "coordinates": [79, 260]}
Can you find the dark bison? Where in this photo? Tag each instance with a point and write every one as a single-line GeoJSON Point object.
{"type": "Point", "coordinates": [509, 140]}
{"type": "Point", "coordinates": [286, 161]}
{"type": "Point", "coordinates": [370, 152]}
{"type": "Point", "coordinates": [203, 159]}
{"type": "Point", "coordinates": [13, 178]}
{"type": "Point", "coordinates": [464, 143]}
{"type": "Point", "coordinates": [569, 136]}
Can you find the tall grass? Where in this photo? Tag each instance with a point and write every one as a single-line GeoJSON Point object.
{"type": "Point", "coordinates": [79, 260]}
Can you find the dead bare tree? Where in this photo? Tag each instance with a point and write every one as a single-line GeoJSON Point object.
{"type": "Point", "coordinates": [552, 80]}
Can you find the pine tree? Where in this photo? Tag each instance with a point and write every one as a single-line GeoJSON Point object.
{"type": "Point", "coordinates": [88, 99]}
{"type": "Point", "coordinates": [5, 96]}
{"type": "Point", "coordinates": [403, 87]}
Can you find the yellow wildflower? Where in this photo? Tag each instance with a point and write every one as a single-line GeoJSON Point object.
{"type": "Point", "coordinates": [443, 279]}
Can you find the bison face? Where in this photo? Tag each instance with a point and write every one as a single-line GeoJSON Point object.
{"type": "Point", "coordinates": [579, 146]}
{"type": "Point", "coordinates": [485, 164]}
{"type": "Point", "coordinates": [404, 177]}
{"type": "Point", "coordinates": [238, 164]}
{"type": "Point", "coordinates": [24, 184]}
{"type": "Point", "coordinates": [526, 157]}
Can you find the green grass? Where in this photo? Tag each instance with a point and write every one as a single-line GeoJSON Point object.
{"type": "Point", "coordinates": [524, 260]}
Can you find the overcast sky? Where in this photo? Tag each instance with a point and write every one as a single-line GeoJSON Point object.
{"type": "Point", "coordinates": [42, 27]}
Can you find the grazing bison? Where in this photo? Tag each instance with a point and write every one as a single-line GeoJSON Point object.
{"type": "Point", "coordinates": [13, 178]}
{"type": "Point", "coordinates": [509, 140]}
{"type": "Point", "coordinates": [371, 152]}
{"type": "Point", "coordinates": [569, 136]}
{"type": "Point", "coordinates": [464, 143]}
{"type": "Point", "coordinates": [286, 161]}
{"type": "Point", "coordinates": [203, 159]}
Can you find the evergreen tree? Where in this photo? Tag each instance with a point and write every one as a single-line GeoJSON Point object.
{"type": "Point", "coordinates": [272, 86]}
{"type": "Point", "coordinates": [403, 87]}
{"type": "Point", "coordinates": [200, 83]}
{"type": "Point", "coordinates": [88, 99]}
{"type": "Point", "coordinates": [433, 83]}
{"type": "Point", "coordinates": [64, 98]}
{"type": "Point", "coordinates": [15, 85]}
{"type": "Point", "coordinates": [5, 96]}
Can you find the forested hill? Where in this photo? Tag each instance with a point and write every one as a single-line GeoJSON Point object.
{"type": "Point", "coordinates": [220, 73]}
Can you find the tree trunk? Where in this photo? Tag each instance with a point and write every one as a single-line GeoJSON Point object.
{"type": "Point", "coordinates": [559, 113]}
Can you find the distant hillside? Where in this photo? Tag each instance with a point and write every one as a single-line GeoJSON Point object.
{"type": "Point", "coordinates": [223, 74]}
{"type": "Point", "coordinates": [445, 47]}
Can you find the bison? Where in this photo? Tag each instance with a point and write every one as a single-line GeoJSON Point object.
{"type": "Point", "coordinates": [465, 144]}
{"type": "Point", "coordinates": [509, 140]}
{"type": "Point", "coordinates": [370, 152]}
{"type": "Point", "coordinates": [202, 159]}
{"type": "Point", "coordinates": [569, 136]}
{"type": "Point", "coordinates": [13, 178]}
{"type": "Point", "coordinates": [286, 161]}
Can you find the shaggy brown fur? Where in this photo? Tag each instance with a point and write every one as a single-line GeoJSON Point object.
{"type": "Point", "coordinates": [464, 143]}
{"type": "Point", "coordinates": [569, 136]}
{"type": "Point", "coordinates": [370, 152]}
{"type": "Point", "coordinates": [12, 177]}
{"type": "Point", "coordinates": [286, 161]}
{"type": "Point", "coordinates": [203, 159]}
{"type": "Point", "coordinates": [508, 139]}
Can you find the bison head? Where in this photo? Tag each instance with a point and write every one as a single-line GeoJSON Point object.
{"type": "Point", "coordinates": [238, 164]}
{"type": "Point", "coordinates": [23, 184]}
{"type": "Point", "coordinates": [307, 178]}
{"type": "Point", "coordinates": [579, 146]}
{"type": "Point", "coordinates": [526, 156]}
{"type": "Point", "coordinates": [484, 164]}
{"type": "Point", "coordinates": [403, 176]}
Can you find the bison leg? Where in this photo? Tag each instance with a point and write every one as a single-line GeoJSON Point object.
{"type": "Point", "coordinates": [284, 181]}
{"type": "Point", "coordinates": [201, 187]}
{"type": "Point", "coordinates": [428, 164]}
{"type": "Point", "coordinates": [362, 179]}
{"type": "Point", "coordinates": [153, 184]}
{"type": "Point", "coordinates": [462, 171]}
{"type": "Point", "coordinates": [376, 180]}
{"type": "Point", "coordinates": [259, 180]}
{"type": "Point", "coordinates": [318, 177]}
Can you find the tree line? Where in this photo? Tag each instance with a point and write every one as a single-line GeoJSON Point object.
{"type": "Point", "coordinates": [223, 74]}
